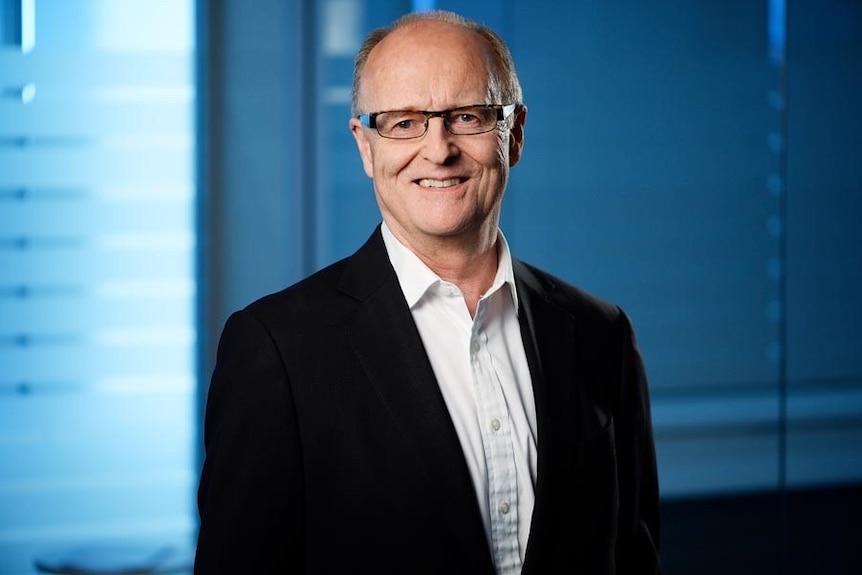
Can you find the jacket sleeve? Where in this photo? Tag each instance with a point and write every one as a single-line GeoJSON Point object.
{"type": "Point", "coordinates": [251, 493]}
{"type": "Point", "coordinates": [638, 541]}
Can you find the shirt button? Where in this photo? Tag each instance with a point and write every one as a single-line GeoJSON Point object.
{"type": "Point", "coordinates": [495, 424]}
{"type": "Point", "coordinates": [504, 507]}
{"type": "Point", "coordinates": [475, 345]}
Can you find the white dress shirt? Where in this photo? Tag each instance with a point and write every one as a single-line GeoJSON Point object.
{"type": "Point", "coordinates": [482, 371]}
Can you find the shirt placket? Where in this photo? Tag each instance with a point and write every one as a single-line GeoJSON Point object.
{"type": "Point", "coordinates": [496, 430]}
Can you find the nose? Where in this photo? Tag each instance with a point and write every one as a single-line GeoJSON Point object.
{"type": "Point", "coordinates": [438, 144]}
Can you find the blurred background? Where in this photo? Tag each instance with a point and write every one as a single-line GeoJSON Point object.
{"type": "Point", "coordinates": [165, 162]}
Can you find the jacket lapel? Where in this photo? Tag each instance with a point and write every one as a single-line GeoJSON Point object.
{"type": "Point", "coordinates": [549, 337]}
{"type": "Point", "coordinates": [390, 349]}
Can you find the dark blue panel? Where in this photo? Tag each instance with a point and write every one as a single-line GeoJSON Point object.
{"type": "Point", "coordinates": [824, 190]}
{"type": "Point", "coordinates": [644, 174]}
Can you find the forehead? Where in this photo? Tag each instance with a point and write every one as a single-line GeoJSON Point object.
{"type": "Point", "coordinates": [427, 65]}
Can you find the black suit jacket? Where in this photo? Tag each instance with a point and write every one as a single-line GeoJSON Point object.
{"type": "Point", "coordinates": [329, 448]}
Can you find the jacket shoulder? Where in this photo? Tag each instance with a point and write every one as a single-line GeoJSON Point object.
{"type": "Point", "coordinates": [313, 294]}
{"type": "Point", "coordinates": [571, 299]}
{"type": "Point", "coordinates": [335, 289]}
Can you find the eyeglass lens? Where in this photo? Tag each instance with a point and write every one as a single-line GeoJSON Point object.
{"type": "Point", "coordinates": [402, 124]}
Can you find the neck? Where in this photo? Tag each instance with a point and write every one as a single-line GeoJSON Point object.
{"type": "Point", "coordinates": [469, 264]}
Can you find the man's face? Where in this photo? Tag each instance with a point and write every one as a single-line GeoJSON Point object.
{"type": "Point", "coordinates": [439, 185]}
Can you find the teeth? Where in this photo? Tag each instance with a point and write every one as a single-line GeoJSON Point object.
{"type": "Point", "coordinates": [428, 183]}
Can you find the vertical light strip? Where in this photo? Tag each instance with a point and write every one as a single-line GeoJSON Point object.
{"type": "Point", "coordinates": [777, 31]}
{"type": "Point", "coordinates": [28, 25]}
{"type": "Point", "coordinates": [777, 35]}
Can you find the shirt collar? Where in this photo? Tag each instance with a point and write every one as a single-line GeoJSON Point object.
{"type": "Point", "coordinates": [415, 277]}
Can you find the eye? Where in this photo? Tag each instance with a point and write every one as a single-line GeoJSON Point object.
{"type": "Point", "coordinates": [465, 118]}
{"type": "Point", "coordinates": [404, 124]}
{"type": "Point", "coordinates": [401, 123]}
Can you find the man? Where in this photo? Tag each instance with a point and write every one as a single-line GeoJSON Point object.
{"type": "Point", "coordinates": [429, 404]}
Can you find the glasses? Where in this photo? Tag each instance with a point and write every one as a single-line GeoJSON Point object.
{"type": "Point", "coordinates": [464, 121]}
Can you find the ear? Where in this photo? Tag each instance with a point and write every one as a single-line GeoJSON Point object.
{"type": "Point", "coordinates": [516, 135]}
{"type": "Point", "coordinates": [361, 137]}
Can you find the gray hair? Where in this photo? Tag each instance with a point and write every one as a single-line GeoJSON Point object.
{"type": "Point", "coordinates": [503, 82]}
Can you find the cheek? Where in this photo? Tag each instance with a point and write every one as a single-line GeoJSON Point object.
{"type": "Point", "coordinates": [389, 162]}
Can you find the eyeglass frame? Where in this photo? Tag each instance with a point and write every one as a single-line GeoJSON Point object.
{"type": "Point", "coordinates": [504, 112]}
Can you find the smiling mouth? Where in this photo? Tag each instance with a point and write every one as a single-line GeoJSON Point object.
{"type": "Point", "coordinates": [429, 183]}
